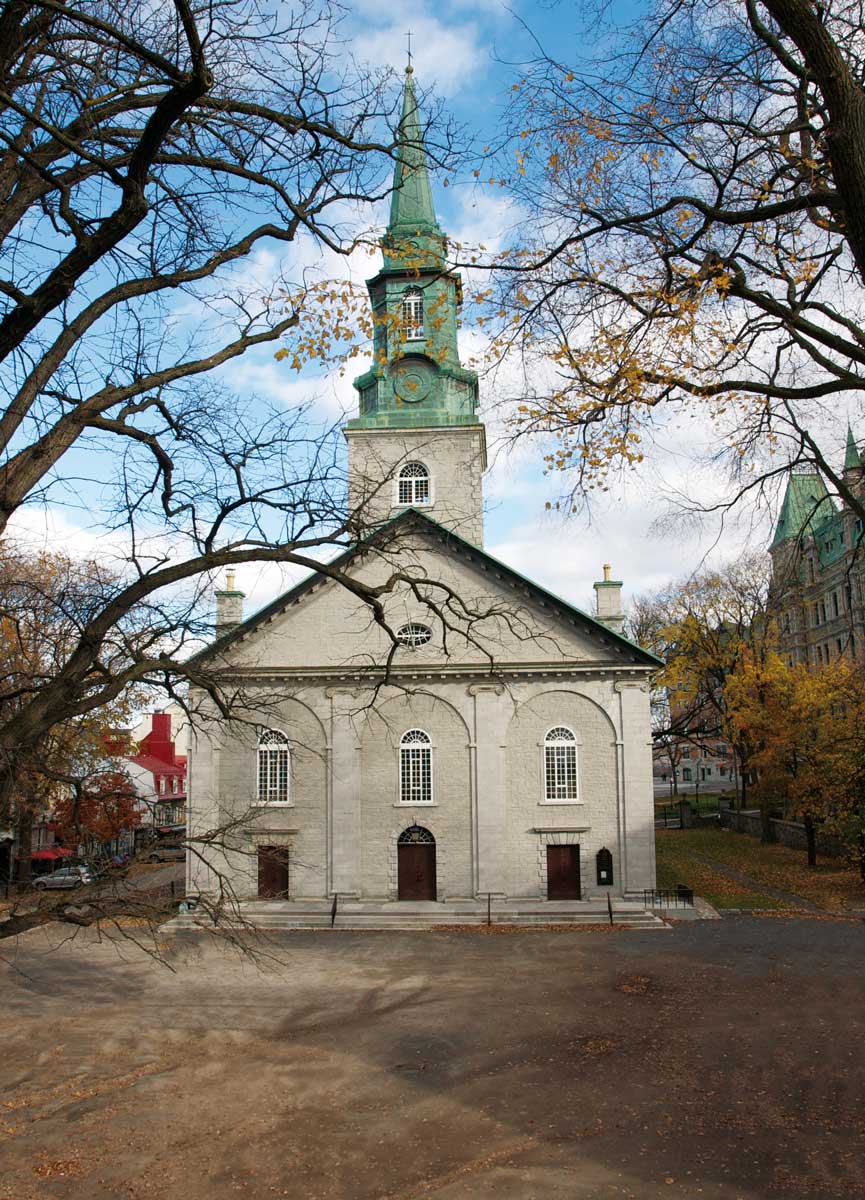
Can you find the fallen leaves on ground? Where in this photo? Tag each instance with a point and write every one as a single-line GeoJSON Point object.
{"type": "Point", "coordinates": [831, 885]}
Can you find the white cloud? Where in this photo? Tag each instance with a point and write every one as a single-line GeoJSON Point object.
{"type": "Point", "coordinates": [445, 54]}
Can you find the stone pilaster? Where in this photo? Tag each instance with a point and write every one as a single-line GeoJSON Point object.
{"type": "Point", "coordinates": [490, 807]}
{"type": "Point", "coordinates": [345, 815]}
{"type": "Point", "coordinates": [636, 797]}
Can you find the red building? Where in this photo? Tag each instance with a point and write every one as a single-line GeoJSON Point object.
{"type": "Point", "coordinates": [159, 774]}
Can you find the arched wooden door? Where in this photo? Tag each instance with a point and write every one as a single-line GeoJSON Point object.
{"type": "Point", "coordinates": [416, 864]}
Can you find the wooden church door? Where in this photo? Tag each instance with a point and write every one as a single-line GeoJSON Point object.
{"type": "Point", "coordinates": [563, 873]}
{"type": "Point", "coordinates": [273, 872]}
{"type": "Point", "coordinates": [416, 865]}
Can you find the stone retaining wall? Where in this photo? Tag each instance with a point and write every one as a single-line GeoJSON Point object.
{"type": "Point", "coordinates": [788, 833]}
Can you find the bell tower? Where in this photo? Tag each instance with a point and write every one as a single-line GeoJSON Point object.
{"type": "Point", "coordinates": [417, 441]}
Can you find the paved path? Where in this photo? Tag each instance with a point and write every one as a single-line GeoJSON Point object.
{"type": "Point", "coordinates": [439, 1066]}
{"type": "Point", "coordinates": [755, 884]}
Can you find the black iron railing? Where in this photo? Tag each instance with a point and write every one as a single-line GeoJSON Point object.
{"type": "Point", "coordinates": [679, 896]}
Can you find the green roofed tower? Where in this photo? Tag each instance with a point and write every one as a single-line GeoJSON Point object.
{"type": "Point", "coordinates": [818, 567]}
{"type": "Point", "coordinates": [417, 441]}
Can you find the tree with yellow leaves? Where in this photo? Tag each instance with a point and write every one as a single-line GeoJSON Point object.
{"type": "Point", "coordinates": [807, 728]}
{"type": "Point", "coordinates": [701, 626]}
{"type": "Point", "coordinates": [694, 243]}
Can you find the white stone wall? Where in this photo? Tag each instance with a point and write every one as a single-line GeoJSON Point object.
{"type": "Point", "coordinates": [487, 778]}
{"type": "Point", "coordinates": [448, 818]}
{"type": "Point", "coordinates": [455, 458]}
{"type": "Point", "coordinates": [592, 820]}
{"type": "Point", "coordinates": [224, 796]}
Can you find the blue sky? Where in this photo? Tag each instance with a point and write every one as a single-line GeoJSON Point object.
{"type": "Point", "coordinates": [469, 55]}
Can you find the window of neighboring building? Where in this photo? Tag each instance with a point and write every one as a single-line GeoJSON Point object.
{"type": "Point", "coordinates": [686, 774]}
{"type": "Point", "coordinates": [274, 756]}
{"type": "Point", "coordinates": [822, 611]}
{"type": "Point", "coordinates": [835, 602]}
{"type": "Point", "coordinates": [839, 646]}
{"type": "Point", "coordinates": [413, 485]}
{"type": "Point", "coordinates": [560, 765]}
{"type": "Point", "coordinates": [412, 314]}
{"type": "Point", "coordinates": [415, 768]}
{"type": "Point", "coordinates": [686, 752]}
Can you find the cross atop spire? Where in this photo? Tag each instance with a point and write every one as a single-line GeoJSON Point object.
{"type": "Point", "coordinates": [408, 39]}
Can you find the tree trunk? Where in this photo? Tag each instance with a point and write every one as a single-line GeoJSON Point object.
{"type": "Point", "coordinates": [811, 838]}
{"type": "Point", "coordinates": [24, 838]}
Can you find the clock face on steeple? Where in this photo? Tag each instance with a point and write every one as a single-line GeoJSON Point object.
{"type": "Point", "coordinates": [413, 379]}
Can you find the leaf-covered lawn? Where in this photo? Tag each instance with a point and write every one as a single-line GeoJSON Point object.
{"type": "Point", "coordinates": [676, 865]}
{"type": "Point", "coordinates": [832, 885]}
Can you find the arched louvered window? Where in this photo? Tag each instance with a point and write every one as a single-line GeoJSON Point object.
{"type": "Point", "coordinates": [560, 765]}
{"type": "Point", "coordinates": [412, 314]}
{"type": "Point", "coordinates": [274, 759]}
{"type": "Point", "coordinates": [413, 484]}
{"type": "Point", "coordinates": [415, 768]}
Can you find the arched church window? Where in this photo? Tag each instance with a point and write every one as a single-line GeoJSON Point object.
{"type": "Point", "coordinates": [415, 768]}
{"type": "Point", "coordinates": [560, 765]}
{"type": "Point", "coordinates": [414, 484]}
{"type": "Point", "coordinates": [274, 756]}
{"type": "Point", "coordinates": [412, 314]}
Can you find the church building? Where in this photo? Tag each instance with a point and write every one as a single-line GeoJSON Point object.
{"type": "Point", "coordinates": [484, 738]}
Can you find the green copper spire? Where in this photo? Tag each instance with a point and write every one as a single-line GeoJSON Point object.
{"type": "Point", "coordinates": [416, 380]}
{"type": "Point", "coordinates": [852, 460]}
{"type": "Point", "coordinates": [413, 236]}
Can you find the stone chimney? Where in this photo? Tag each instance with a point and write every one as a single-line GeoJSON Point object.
{"type": "Point", "coordinates": [608, 601]}
{"type": "Point", "coordinates": [229, 606]}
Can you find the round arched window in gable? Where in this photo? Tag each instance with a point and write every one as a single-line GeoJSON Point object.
{"type": "Point", "coordinates": [413, 485]}
{"type": "Point", "coordinates": [414, 634]}
{"type": "Point", "coordinates": [412, 314]}
{"type": "Point", "coordinates": [560, 765]}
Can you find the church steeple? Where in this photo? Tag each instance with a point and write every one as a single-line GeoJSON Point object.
{"type": "Point", "coordinates": [417, 441]}
{"type": "Point", "coordinates": [416, 377]}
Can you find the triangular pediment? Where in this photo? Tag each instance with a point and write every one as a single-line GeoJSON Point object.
{"type": "Point", "coordinates": [481, 613]}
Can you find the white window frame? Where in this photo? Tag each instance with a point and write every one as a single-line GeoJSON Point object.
{"type": "Point", "coordinates": [398, 502]}
{"type": "Point", "coordinates": [264, 790]}
{"type": "Point", "coordinates": [571, 742]}
{"type": "Point", "coordinates": [412, 299]}
{"type": "Point", "coordinates": [409, 635]}
{"type": "Point", "coordinates": [417, 748]}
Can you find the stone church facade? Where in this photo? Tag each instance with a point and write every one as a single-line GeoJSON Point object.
{"type": "Point", "coordinates": [506, 748]}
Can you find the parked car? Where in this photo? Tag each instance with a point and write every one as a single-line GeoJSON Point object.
{"type": "Point", "coordinates": [163, 854]}
{"type": "Point", "coordinates": [64, 877]}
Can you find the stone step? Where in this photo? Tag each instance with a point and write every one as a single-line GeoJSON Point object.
{"type": "Point", "coordinates": [275, 916]}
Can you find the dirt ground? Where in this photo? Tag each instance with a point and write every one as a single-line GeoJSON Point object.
{"type": "Point", "coordinates": [722, 1059]}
